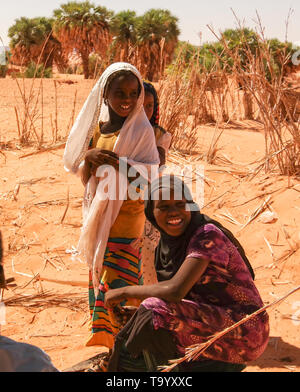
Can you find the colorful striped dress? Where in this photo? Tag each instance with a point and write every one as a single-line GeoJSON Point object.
{"type": "Point", "coordinates": [121, 264]}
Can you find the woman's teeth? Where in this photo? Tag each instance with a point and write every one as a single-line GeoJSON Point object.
{"type": "Point", "coordinates": [174, 222]}
{"type": "Point", "coordinates": [125, 107]}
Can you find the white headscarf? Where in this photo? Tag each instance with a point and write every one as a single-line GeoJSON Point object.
{"type": "Point", "coordinates": [136, 141]}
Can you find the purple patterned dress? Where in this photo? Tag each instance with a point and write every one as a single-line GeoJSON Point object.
{"type": "Point", "coordinates": [224, 294]}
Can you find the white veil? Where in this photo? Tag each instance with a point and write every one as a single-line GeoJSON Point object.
{"type": "Point", "coordinates": [136, 142]}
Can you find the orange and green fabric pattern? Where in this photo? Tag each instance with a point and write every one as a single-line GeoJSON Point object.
{"type": "Point", "coordinates": [121, 267]}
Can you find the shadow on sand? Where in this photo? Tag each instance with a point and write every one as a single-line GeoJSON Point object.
{"type": "Point", "coordinates": [278, 354]}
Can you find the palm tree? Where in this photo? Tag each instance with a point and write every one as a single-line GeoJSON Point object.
{"type": "Point", "coordinates": [32, 40]}
{"type": "Point", "coordinates": [123, 28]}
{"type": "Point", "coordinates": [157, 37]}
{"type": "Point", "coordinates": [83, 28]}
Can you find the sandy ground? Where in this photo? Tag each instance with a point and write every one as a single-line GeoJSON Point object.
{"type": "Point", "coordinates": [34, 193]}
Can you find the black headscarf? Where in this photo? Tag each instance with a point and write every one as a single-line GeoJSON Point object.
{"type": "Point", "coordinates": [171, 251]}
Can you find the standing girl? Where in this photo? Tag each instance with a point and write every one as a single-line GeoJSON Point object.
{"type": "Point", "coordinates": [112, 122]}
{"type": "Point", "coordinates": [151, 106]}
{"type": "Point", "coordinates": [163, 141]}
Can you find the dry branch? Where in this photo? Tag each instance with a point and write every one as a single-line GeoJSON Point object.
{"type": "Point", "coordinates": [256, 213]}
{"type": "Point", "coordinates": [193, 352]}
{"type": "Point", "coordinates": [65, 282]}
{"type": "Point", "coordinates": [50, 148]}
{"type": "Point", "coordinates": [41, 301]}
{"type": "Point", "coordinates": [67, 207]}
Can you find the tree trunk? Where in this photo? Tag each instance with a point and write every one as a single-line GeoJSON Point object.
{"type": "Point", "coordinates": [85, 64]}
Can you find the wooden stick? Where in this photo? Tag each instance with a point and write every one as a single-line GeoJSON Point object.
{"type": "Point", "coordinates": [257, 212]}
{"type": "Point", "coordinates": [71, 122]}
{"type": "Point", "coordinates": [1, 152]}
{"type": "Point", "coordinates": [66, 282]}
{"type": "Point", "coordinates": [42, 116]}
{"type": "Point", "coordinates": [193, 352]}
{"type": "Point", "coordinates": [67, 206]}
{"type": "Point", "coordinates": [18, 124]}
{"type": "Point", "coordinates": [55, 147]}
{"type": "Point", "coordinates": [56, 122]}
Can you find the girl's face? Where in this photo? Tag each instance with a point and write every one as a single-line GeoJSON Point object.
{"type": "Point", "coordinates": [171, 215]}
{"type": "Point", "coordinates": [149, 105]}
{"type": "Point", "coordinates": [123, 94]}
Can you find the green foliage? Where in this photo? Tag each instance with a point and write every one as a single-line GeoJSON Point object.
{"type": "Point", "coordinates": [123, 26]}
{"type": "Point", "coordinates": [156, 24]}
{"type": "Point", "coordinates": [186, 51]}
{"type": "Point", "coordinates": [95, 65]}
{"type": "Point", "coordinates": [83, 27]}
{"type": "Point", "coordinates": [87, 29]}
{"type": "Point", "coordinates": [27, 32]}
{"type": "Point", "coordinates": [37, 71]}
{"type": "Point", "coordinates": [83, 15]}
{"type": "Point", "coordinates": [241, 42]}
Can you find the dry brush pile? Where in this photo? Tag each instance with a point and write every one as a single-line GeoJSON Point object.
{"type": "Point", "coordinates": [191, 95]}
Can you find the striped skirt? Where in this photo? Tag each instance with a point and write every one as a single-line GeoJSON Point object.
{"type": "Point", "coordinates": [121, 267]}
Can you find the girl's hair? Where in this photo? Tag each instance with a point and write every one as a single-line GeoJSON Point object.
{"type": "Point", "coordinates": [116, 75]}
{"type": "Point", "coordinates": [150, 89]}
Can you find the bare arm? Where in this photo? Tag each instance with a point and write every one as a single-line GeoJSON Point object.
{"type": "Point", "coordinates": [95, 158]}
{"type": "Point", "coordinates": [162, 156]}
{"type": "Point", "coordinates": [86, 172]}
{"type": "Point", "coordinates": [173, 290]}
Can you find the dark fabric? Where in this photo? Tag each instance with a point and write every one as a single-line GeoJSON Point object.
{"type": "Point", "coordinates": [140, 348]}
{"type": "Point", "coordinates": [139, 335]}
{"type": "Point", "coordinates": [23, 357]}
{"type": "Point", "coordinates": [149, 88]}
{"type": "Point", "coordinates": [171, 251]}
{"type": "Point", "coordinates": [210, 366]}
{"type": "Point", "coordinates": [148, 362]}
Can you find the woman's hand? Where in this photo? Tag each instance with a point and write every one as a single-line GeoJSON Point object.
{"type": "Point", "coordinates": [97, 157]}
{"type": "Point", "coordinates": [114, 297]}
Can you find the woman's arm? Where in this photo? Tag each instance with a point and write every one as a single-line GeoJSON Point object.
{"type": "Point", "coordinates": [86, 172]}
{"type": "Point", "coordinates": [162, 155]}
{"type": "Point", "coordinates": [95, 158]}
{"type": "Point", "coordinates": [173, 290]}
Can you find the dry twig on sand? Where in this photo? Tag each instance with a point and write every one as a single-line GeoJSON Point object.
{"type": "Point", "coordinates": [67, 207]}
{"type": "Point", "coordinates": [41, 301]}
{"type": "Point", "coordinates": [256, 213]}
{"type": "Point", "coordinates": [50, 148]}
{"type": "Point", "coordinates": [229, 218]}
{"type": "Point", "coordinates": [73, 283]}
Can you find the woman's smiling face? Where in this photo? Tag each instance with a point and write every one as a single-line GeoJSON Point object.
{"type": "Point", "coordinates": [123, 94]}
{"type": "Point", "coordinates": [171, 215]}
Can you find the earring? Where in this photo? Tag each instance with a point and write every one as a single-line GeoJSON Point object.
{"type": "Point", "coordinates": [106, 101]}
